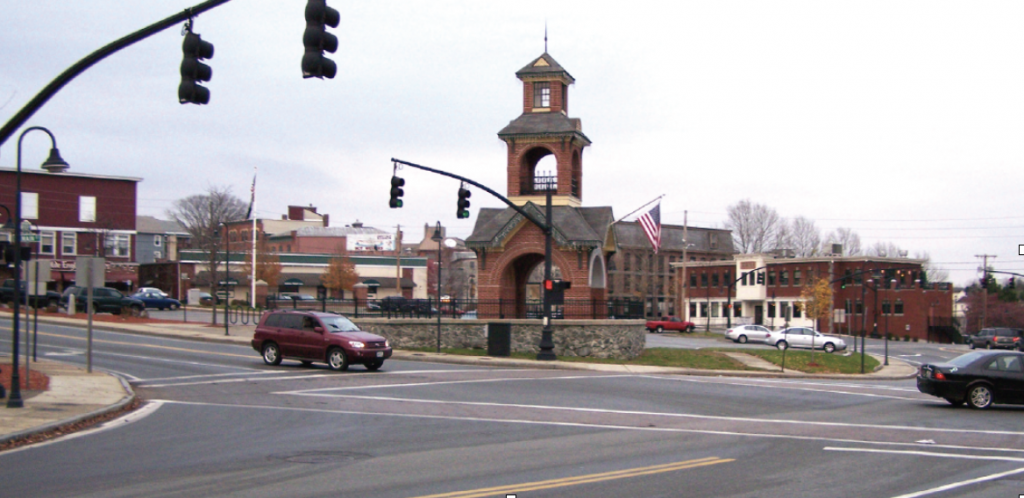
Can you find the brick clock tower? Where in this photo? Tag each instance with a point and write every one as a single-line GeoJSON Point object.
{"type": "Point", "coordinates": [509, 248]}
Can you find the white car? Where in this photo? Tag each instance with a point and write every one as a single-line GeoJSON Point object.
{"type": "Point", "coordinates": [803, 337]}
{"type": "Point", "coordinates": [152, 289]}
{"type": "Point", "coordinates": [744, 333]}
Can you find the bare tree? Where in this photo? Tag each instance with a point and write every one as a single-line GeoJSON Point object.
{"type": "Point", "coordinates": [932, 273]}
{"type": "Point", "coordinates": [755, 227]}
{"type": "Point", "coordinates": [847, 238]}
{"type": "Point", "coordinates": [804, 237]}
{"type": "Point", "coordinates": [885, 250]}
{"type": "Point", "coordinates": [202, 214]}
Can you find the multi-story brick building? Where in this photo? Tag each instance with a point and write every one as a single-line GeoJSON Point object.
{"type": "Point", "coordinates": [77, 214]}
{"type": "Point", "coordinates": [890, 293]}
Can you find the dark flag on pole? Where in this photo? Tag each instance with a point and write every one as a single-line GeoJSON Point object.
{"type": "Point", "coordinates": [651, 223]}
{"type": "Point", "coordinates": [252, 200]}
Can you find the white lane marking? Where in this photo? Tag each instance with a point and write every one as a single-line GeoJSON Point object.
{"type": "Point", "coordinates": [793, 387]}
{"type": "Point", "coordinates": [583, 425]}
{"type": "Point", "coordinates": [298, 376]}
{"type": "Point", "coordinates": [784, 382]}
{"type": "Point", "coordinates": [204, 376]}
{"type": "Point", "coordinates": [142, 412]}
{"type": "Point", "coordinates": [312, 392]}
{"type": "Point", "coordinates": [961, 484]}
{"type": "Point", "coordinates": [925, 453]}
{"type": "Point", "coordinates": [444, 382]}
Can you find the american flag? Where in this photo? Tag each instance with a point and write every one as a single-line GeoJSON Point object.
{"type": "Point", "coordinates": [651, 223]}
{"type": "Point", "coordinates": [252, 200]}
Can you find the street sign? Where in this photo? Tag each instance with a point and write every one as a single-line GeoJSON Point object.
{"type": "Point", "coordinates": [28, 233]}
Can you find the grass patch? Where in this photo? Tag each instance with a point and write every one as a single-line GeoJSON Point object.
{"type": "Point", "coordinates": [826, 363]}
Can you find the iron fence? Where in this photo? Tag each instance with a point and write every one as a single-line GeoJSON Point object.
{"type": "Point", "coordinates": [572, 309]}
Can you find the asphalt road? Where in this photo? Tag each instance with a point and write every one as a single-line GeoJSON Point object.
{"type": "Point", "coordinates": [219, 422]}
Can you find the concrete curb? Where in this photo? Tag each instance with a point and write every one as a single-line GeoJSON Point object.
{"type": "Point", "coordinates": [125, 401]}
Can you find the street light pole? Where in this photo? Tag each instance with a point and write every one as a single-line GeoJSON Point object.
{"type": "Point", "coordinates": [437, 237]}
{"type": "Point", "coordinates": [227, 276]}
{"type": "Point", "coordinates": [547, 345]}
{"type": "Point", "coordinates": [15, 400]}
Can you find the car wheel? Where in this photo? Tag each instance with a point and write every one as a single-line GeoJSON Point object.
{"type": "Point", "coordinates": [691, 328]}
{"type": "Point", "coordinates": [742, 339]}
{"type": "Point", "coordinates": [174, 307]}
{"type": "Point", "coordinates": [782, 345]}
{"type": "Point", "coordinates": [971, 345]}
{"type": "Point", "coordinates": [829, 347]}
{"type": "Point", "coordinates": [337, 360]}
{"type": "Point", "coordinates": [979, 396]}
{"type": "Point", "coordinates": [373, 366]}
{"type": "Point", "coordinates": [955, 402]}
{"type": "Point", "coordinates": [271, 354]}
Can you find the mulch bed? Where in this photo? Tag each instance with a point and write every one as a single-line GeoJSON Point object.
{"type": "Point", "coordinates": [36, 381]}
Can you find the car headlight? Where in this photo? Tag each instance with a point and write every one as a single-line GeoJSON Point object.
{"type": "Point", "coordinates": [356, 344]}
{"type": "Point", "coordinates": [387, 343]}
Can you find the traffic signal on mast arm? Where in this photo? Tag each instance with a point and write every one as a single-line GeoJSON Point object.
{"type": "Point", "coordinates": [193, 71]}
{"type": "Point", "coordinates": [463, 204]}
{"type": "Point", "coordinates": [396, 192]}
{"type": "Point", "coordinates": [316, 40]}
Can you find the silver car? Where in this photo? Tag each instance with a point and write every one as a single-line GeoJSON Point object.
{"type": "Point", "coordinates": [804, 337]}
{"type": "Point", "coordinates": [744, 333]}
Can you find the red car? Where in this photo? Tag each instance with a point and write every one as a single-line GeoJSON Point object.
{"type": "Point", "coordinates": [310, 336]}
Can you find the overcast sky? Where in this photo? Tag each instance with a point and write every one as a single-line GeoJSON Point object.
{"type": "Point", "coordinates": [901, 120]}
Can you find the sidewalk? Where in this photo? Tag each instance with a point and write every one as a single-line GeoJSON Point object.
{"type": "Point", "coordinates": [75, 395]}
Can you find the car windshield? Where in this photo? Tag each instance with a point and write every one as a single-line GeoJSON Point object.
{"type": "Point", "coordinates": [337, 324]}
{"type": "Point", "coordinates": [965, 360]}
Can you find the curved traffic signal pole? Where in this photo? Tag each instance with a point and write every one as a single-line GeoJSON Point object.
{"type": "Point", "coordinates": [547, 345]}
{"type": "Point", "coordinates": [79, 67]}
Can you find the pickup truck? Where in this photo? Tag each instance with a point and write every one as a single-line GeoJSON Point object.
{"type": "Point", "coordinates": [39, 300]}
{"type": "Point", "coordinates": [670, 323]}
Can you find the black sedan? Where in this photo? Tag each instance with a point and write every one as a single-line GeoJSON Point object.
{"type": "Point", "coordinates": [980, 378]}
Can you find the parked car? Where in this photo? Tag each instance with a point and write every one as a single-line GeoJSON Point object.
{"type": "Point", "coordinates": [310, 336]}
{"type": "Point", "coordinates": [670, 323]}
{"type": "Point", "coordinates": [39, 300]}
{"type": "Point", "coordinates": [803, 337]}
{"type": "Point", "coordinates": [997, 338]}
{"type": "Point", "coordinates": [152, 289]}
{"type": "Point", "coordinates": [104, 300]}
{"type": "Point", "coordinates": [156, 299]}
{"type": "Point", "coordinates": [403, 304]}
{"type": "Point", "coordinates": [981, 378]}
{"type": "Point", "coordinates": [207, 299]}
{"type": "Point", "coordinates": [744, 333]}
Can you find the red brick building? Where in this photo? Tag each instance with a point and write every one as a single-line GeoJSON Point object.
{"type": "Point", "coordinates": [77, 214]}
{"type": "Point", "coordinates": [890, 292]}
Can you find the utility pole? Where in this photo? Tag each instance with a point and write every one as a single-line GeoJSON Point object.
{"type": "Point", "coordinates": [984, 290]}
{"type": "Point", "coordinates": [398, 260]}
{"type": "Point", "coordinates": [684, 283]}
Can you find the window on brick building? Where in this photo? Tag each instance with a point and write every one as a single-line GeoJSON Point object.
{"type": "Point", "coordinates": [771, 310]}
{"type": "Point", "coordinates": [727, 278]}
{"type": "Point", "coordinates": [68, 243]}
{"type": "Point", "coordinates": [693, 280]}
{"type": "Point", "coordinates": [87, 209]}
{"type": "Point", "coordinates": [886, 310]}
{"type": "Point", "coordinates": [737, 310]}
{"type": "Point", "coordinates": [46, 243]}
{"type": "Point", "coordinates": [29, 206]}
{"type": "Point", "coordinates": [783, 278]}
{"type": "Point", "coordinates": [704, 309]}
{"type": "Point", "coordinates": [714, 279]}
{"type": "Point", "coordinates": [693, 309]}
{"type": "Point", "coordinates": [898, 307]}
{"type": "Point", "coordinates": [703, 279]}
{"type": "Point", "coordinates": [771, 278]}
{"type": "Point", "coordinates": [797, 310]}
{"type": "Point", "coordinates": [796, 278]}
{"type": "Point", "coordinates": [859, 307]}
{"type": "Point", "coordinates": [542, 94]}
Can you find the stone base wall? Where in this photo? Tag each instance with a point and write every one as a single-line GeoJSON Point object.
{"type": "Point", "coordinates": [621, 339]}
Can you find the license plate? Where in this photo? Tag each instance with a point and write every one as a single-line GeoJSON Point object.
{"type": "Point", "coordinates": [380, 354]}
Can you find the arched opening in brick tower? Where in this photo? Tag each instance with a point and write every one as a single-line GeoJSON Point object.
{"type": "Point", "coordinates": [522, 282]}
{"type": "Point", "coordinates": [538, 166]}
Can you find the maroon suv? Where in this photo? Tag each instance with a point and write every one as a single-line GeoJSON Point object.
{"type": "Point", "coordinates": [310, 336]}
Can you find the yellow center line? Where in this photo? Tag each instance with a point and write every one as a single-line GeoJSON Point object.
{"type": "Point", "coordinates": [152, 346]}
{"type": "Point", "coordinates": [584, 479]}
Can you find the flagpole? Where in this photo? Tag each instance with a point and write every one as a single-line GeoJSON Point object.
{"type": "Point", "coordinates": [652, 201]}
{"type": "Point", "coordinates": [252, 292]}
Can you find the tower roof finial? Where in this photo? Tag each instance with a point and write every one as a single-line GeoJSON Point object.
{"type": "Point", "coordinates": [545, 36]}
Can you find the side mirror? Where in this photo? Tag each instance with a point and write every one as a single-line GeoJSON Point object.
{"type": "Point", "coordinates": [318, 330]}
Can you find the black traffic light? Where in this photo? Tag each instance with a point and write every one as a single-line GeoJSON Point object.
{"type": "Point", "coordinates": [555, 290]}
{"type": "Point", "coordinates": [1011, 284]}
{"type": "Point", "coordinates": [316, 40]}
{"type": "Point", "coordinates": [193, 71]}
{"type": "Point", "coordinates": [760, 278]}
{"type": "Point", "coordinates": [396, 192]}
{"type": "Point", "coordinates": [463, 205]}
